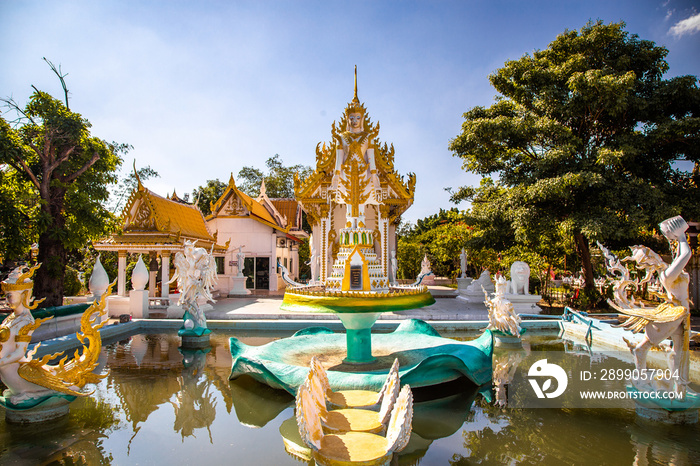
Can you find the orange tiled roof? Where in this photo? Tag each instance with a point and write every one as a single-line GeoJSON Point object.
{"type": "Point", "coordinates": [257, 210]}
{"type": "Point", "coordinates": [288, 208]}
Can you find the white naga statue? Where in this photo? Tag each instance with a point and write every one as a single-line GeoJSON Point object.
{"type": "Point", "coordinates": [195, 272]}
{"type": "Point", "coordinates": [519, 278]}
{"type": "Point", "coordinates": [30, 381]}
{"type": "Point", "coordinates": [502, 317]}
{"type": "Point", "coordinates": [671, 319]}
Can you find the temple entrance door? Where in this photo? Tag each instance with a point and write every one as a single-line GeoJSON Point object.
{"type": "Point", "coordinates": [257, 272]}
{"type": "Point", "coordinates": [262, 273]}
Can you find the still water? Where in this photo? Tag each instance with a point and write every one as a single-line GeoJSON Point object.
{"type": "Point", "coordinates": [157, 406]}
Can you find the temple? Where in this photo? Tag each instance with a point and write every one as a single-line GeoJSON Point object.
{"type": "Point", "coordinates": [354, 200]}
{"type": "Point", "coordinates": [261, 231]}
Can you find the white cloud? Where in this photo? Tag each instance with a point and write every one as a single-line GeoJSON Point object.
{"type": "Point", "coordinates": [687, 26]}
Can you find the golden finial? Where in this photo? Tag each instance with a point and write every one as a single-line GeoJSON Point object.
{"type": "Point", "coordinates": [355, 98]}
{"type": "Point", "coordinates": [138, 178]}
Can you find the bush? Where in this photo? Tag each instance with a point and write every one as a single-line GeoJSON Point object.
{"type": "Point", "coordinates": [72, 284]}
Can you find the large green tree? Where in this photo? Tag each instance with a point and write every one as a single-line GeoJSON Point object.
{"type": "Point", "coordinates": [585, 136]}
{"type": "Point", "coordinates": [279, 180]}
{"type": "Point", "coordinates": [49, 147]}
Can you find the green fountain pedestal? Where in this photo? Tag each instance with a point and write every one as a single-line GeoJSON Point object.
{"type": "Point", "coordinates": [358, 329]}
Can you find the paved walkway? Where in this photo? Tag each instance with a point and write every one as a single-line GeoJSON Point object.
{"type": "Point", "coordinates": [447, 307]}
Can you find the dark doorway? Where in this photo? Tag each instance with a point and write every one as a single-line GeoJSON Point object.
{"type": "Point", "coordinates": [257, 272]}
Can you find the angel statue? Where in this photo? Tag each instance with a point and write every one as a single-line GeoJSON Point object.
{"type": "Point", "coordinates": [502, 316]}
{"type": "Point", "coordinates": [671, 319]}
{"type": "Point", "coordinates": [195, 272]}
{"type": "Point", "coordinates": [37, 390]}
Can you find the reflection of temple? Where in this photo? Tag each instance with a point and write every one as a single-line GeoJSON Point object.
{"type": "Point", "coordinates": [354, 200]}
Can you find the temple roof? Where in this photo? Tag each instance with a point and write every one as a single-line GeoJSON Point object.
{"type": "Point", "coordinates": [289, 208]}
{"type": "Point", "coordinates": [235, 203]}
{"type": "Point", "coordinates": [150, 220]}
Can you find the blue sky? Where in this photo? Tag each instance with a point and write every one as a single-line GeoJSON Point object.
{"type": "Point", "coordinates": [201, 89]}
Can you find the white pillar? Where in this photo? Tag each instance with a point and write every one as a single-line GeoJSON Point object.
{"type": "Point", "coordinates": [272, 268]}
{"type": "Point", "coordinates": [121, 274]}
{"type": "Point", "coordinates": [165, 274]}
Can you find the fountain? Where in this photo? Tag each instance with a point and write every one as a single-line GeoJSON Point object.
{"type": "Point", "coordinates": [353, 200]}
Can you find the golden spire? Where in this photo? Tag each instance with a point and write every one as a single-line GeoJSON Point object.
{"type": "Point", "coordinates": [138, 178]}
{"type": "Point", "coordinates": [355, 99]}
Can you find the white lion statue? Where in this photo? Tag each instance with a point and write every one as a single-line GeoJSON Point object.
{"type": "Point", "coordinates": [519, 278]}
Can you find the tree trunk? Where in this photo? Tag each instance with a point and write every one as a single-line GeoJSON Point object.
{"type": "Point", "coordinates": [52, 254]}
{"type": "Point", "coordinates": [584, 253]}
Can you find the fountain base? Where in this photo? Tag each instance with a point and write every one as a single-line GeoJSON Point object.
{"type": "Point", "coordinates": [425, 358]}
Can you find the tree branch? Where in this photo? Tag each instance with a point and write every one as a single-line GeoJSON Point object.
{"type": "Point", "coordinates": [28, 171]}
{"type": "Point", "coordinates": [83, 169]}
{"type": "Point", "coordinates": [62, 159]}
{"type": "Point", "coordinates": [60, 77]}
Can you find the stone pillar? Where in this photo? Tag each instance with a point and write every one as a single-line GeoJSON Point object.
{"type": "Point", "coordinates": [165, 274]}
{"type": "Point", "coordinates": [383, 224]}
{"type": "Point", "coordinates": [121, 274]}
{"type": "Point", "coordinates": [152, 273]}
{"type": "Point", "coordinates": [323, 243]}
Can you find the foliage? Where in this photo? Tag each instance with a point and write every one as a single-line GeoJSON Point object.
{"type": "Point", "coordinates": [127, 184]}
{"type": "Point", "coordinates": [279, 180]}
{"type": "Point", "coordinates": [584, 139]}
{"type": "Point", "coordinates": [304, 258]}
{"type": "Point", "coordinates": [51, 149]}
{"type": "Point", "coordinates": [208, 194]}
{"type": "Point", "coordinates": [72, 285]}
{"type": "Point", "coordinates": [441, 237]}
{"type": "Point", "coordinates": [18, 211]}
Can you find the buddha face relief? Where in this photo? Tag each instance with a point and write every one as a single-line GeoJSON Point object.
{"type": "Point", "coordinates": [355, 122]}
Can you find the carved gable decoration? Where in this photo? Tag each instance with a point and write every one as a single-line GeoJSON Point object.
{"type": "Point", "coordinates": [140, 216]}
{"type": "Point", "coordinates": [234, 206]}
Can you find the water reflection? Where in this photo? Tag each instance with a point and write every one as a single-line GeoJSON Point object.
{"type": "Point", "coordinates": [160, 406]}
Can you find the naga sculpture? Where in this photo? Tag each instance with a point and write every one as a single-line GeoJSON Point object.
{"type": "Point", "coordinates": [37, 390]}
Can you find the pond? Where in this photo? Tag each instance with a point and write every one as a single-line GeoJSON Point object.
{"type": "Point", "coordinates": [157, 406]}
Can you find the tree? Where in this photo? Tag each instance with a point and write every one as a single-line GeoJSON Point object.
{"type": "Point", "coordinates": [18, 209]}
{"type": "Point", "coordinates": [128, 184]}
{"type": "Point", "coordinates": [50, 148]}
{"type": "Point", "coordinates": [279, 180]}
{"type": "Point", "coordinates": [585, 136]}
{"type": "Point", "coordinates": [208, 194]}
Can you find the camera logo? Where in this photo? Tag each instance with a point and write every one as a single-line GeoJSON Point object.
{"type": "Point", "coordinates": [543, 369]}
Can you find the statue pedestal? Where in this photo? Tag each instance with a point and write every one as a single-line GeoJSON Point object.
{"type": "Point", "coordinates": [359, 336]}
{"type": "Point", "coordinates": [53, 408]}
{"type": "Point", "coordinates": [463, 284]}
{"type": "Point", "coordinates": [667, 417]}
{"type": "Point", "coordinates": [428, 280]}
{"type": "Point", "coordinates": [237, 286]}
{"type": "Point", "coordinates": [195, 341]}
{"type": "Point", "coordinates": [525, 303]}
{"type": "Point", "coordinates": [502, 340]}
{"type": "Point", "coordinates": [138, 304]}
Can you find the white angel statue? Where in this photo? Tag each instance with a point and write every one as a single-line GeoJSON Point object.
{"type": "Point", "coordinates": [195, 272]}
